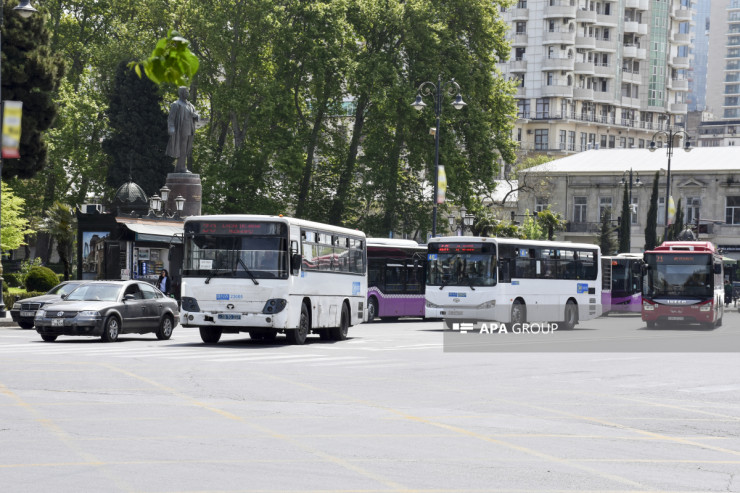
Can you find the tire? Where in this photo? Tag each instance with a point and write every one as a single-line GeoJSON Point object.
{"type": "Point", "coordinates": [570, 315]}
{"type": "Point", "coordinates": [298, 335]}
{"type": "Point", "coordinates": [651, 324]}
{"type": "Point", "coordinates": [111, 329]}
{"type": "Point", "coordinates": [340, 333]}
{"type": "Point", "coordinates": [166, 326]}
{"type": "Point", "coordinates": [210, 335]}
{"type": "Point", "coordinates": [372, 309]}
{"type": "Point", "coordinates": [518, 313]}
{"type": "Point", "coordinates": [48, 338]}
{"type": "Point", "coordinates": [25, 325]}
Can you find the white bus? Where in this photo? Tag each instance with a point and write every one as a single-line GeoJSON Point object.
{"type": "Point", "coordinates": [271, 274]}
{"type": "Point", "coordinates": [512, 281]}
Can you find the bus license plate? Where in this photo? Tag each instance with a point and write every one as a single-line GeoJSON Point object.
{"type": "Point", "coordinates": [57, 322]}
{"type": "Point", "coordinates": [28, 314]}
{"type": "Point", "coordinates": [229, 316]}
{"type": "Point", "coordinates": [675, 318]}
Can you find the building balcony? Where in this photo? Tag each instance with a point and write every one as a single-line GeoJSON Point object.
{"type": "Point", "coordinates": [642, 29]}
{"type": "Point", "coordinates": [631, 77]}
{"type": "Point", "coordinates": [521, 92]}
{"type": "Point", "coordinates": [682, 14]}
{"type": "Point", "coordinates": [606, 71]}
{"type": "Point", "coordinates": [630, 27]}
{"type": "Point", "coordinates": [681, 39]}
{"type": "Point", "coordinates": [629, 51]}
{"type": "Point", "coordinates": [584, 68]}
{"type": "Point", "coordinates": [583, 94]}
{"type": "Point", "coordinates": [582, 227]}
{"type": "Point", "coordinates": [520, 39]}
{"type": "Point", "coordinates": [606, 45]}
{"type": "Point", "coordinates": [559, 37]}
{"type": "Point", "coordinates": [556, 91]}
{"type": "Point", "coordinates": [604, 97]}
{"type": "Point", "coordinates": [637, 4]}
{"type": "Point", "coordinates": [518, 66]}
{"type": "Point", "coordinates": [680, 62]}
{"type": "Point", "coordinates": [564, 10]}
{"type": "Point", "coordinates": [519, 14]}
{"type": "Point", "coordinates": [586, 43]}
{"type": "Point", "coordinates": [586, 16]}
{"type": "Point", "coordinates": [549, 64]}
{"type": "Point", "coordinates": [630, 102]}
{"type": "Point", "coordinates": [607, 20]}
{"type": "Point", "coordinates": [680, 108]}
{"type": "Point", "coordinates": [681, 85]}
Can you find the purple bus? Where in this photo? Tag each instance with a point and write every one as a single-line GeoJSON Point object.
{"type": "Point", "coordinates": [395, 278]}
{"type": "Point", "coordinates": [621, 285]}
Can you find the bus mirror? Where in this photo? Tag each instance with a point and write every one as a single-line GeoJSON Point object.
{"type": "Point", "coordinates": [718, 268]}
{"type": "Point", "coordinates": [637, 268]}
{"type": "Point", "coordinates": [295, 262]}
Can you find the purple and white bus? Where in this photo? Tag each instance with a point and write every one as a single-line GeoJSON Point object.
{"type": "Point", "coordinates": [621, 285]}
{"type": "Point", "coordinates": [395, 278]}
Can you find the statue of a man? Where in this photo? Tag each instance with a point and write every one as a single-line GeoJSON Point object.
{"type": "Point", "coordinates": [181, 127]}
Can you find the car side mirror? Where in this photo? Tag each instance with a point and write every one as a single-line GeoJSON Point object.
{"type": "Point", "coordinates": [295, 263]}
{"type": "Point", "coordinates": [128, 297]}
{"type": "Point", "coordinates": [64, 296]}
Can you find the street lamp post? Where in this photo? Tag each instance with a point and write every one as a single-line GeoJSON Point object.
{"type": "Point", "coordinates": [628, 182]}
{"type": "Point", "coordinates": [25, 10]}
{"type": "Point", "coordinates": [670, 135]}
{"type": "Point", "coordinates": [451, 88]}
{"type": "Point", "coordinates": [466, 220]}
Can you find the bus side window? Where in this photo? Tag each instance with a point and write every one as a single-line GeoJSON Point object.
{"type": "Point", "coordinates": [504, 267]}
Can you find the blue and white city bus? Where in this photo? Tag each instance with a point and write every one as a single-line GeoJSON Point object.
{"type": "Point", "coordinates": [512, 281]}
{"type": "Point", "coordinates": [271, 274]}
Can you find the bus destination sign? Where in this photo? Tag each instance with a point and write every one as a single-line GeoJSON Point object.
{"type": "Point", "coordinates": [238, 228]}
{"type": "Point", "coordinates": [459, 247]}
{"type": "Point", "coordinates": [683, 258]}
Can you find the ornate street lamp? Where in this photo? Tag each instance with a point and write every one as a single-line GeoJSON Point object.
{"type": "Point", "coordinates": [670, 136]}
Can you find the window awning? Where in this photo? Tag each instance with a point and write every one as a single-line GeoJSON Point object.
{"type": "Point", "coordinates": [163, 233]}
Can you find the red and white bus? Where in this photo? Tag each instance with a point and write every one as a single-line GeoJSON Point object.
{"type": "Point", "coordinates": [683, 283]}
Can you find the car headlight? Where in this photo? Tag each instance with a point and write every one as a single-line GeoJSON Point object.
{"type": "Point", "coordinates": [89, 314]}
{"type": "Point", "coordinates": [40, 314]}
{"type": "Point", "coordinates": [16, 306]}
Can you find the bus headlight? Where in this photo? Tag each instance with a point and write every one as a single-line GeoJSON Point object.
{"type": "Point", "coordinates": [189, 304]}
{"type": "Point", "coordinates": [432, 305]}
{"type": "Point", "coordinates": [487, 304]}
{"type": "Point", "coordinates": [274, 305]}
{"type": "Point", "coordinates": [705, 308]}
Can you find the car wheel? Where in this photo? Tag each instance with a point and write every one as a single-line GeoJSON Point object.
{"type": "Point", "coordinates": [210, 335]}
{"type": "Point", "coordinates": [340, 333]}
{"type": "Point", "coordinates": [298, 335]}
{"type": "Point", "coordinates": [111, 329]}
{"type": "Point", "coordinates": [25, 325]}
{"type": "Point", "coordinates": [372, 309]}
{"type": "Point", "coordinates": [165, 328]}
{"type": "Point", "coordinates": [48, 338]}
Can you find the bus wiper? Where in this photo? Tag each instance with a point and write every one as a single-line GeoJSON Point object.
{"type": "Point", "coordinates": [470, 283]}
{"type": "Point", "coordinates": [249, 273]}
{"type": "Point", "coordinates": [442, 285]}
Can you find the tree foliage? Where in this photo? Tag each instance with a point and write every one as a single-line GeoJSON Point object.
{"type": "Point", "coordinates": [625, 226]}
{"type": "Point", "coordinates": [15, 226]}
{"type": "Point", "coordinates": [605, 238]}
{"type": "Point", "coordinates": [651, 224]}
{"type": "Point", "coordinates": [61, 225]}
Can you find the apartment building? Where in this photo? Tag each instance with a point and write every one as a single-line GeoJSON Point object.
{"type": "Point", "coordinates": [723, 66]}
{"type": "Point", "coordinates": [597, 74]}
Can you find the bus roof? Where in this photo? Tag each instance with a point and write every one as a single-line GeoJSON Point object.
{"type": "Point", "coordinates": [691, 246]}
{"type": "Point", "coordinates": [392, 242]}
{"type": "Point", "coordinates": [513, 241]}
{"type": "Point", "coordinates": [283, 219]}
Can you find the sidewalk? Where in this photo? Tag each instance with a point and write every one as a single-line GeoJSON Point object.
{"type": "Point", "coordinates": [7, 321]}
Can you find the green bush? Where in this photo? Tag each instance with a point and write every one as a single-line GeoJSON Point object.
{"type": "Point", "coordinates": [13, 279]}
{"type": "Point", "coordinates": [41, 279]}
{"type": "Point", "coordinates": [10, 299]}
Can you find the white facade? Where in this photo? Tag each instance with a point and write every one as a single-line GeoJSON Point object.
{"type": "Point", "coordinates": [597, 74]}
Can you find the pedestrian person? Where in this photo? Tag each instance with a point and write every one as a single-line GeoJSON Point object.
{"type": "Point", "coordinates": [163, 283]}
{"type": "Point", "coordinates": [728, 292]}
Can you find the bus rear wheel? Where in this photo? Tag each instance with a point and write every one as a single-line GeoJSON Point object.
{"type": "Point", "coordinates": [210, 335]}
{"type": "Point", "coordinates": [340, 333]}
{"type": "Point", "coordinates": [570, 316]}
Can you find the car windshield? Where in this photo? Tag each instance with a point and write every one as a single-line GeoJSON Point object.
{"type": "Point", "coordinates": [95, 292]}
{"type": "Point", "coordinates": [64, 288]}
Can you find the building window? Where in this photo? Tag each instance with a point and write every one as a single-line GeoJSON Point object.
{"type": "Point", "coordinates": [522, 107]}
{"type": "Point", "coordinates": [605, 207]}
{"type": "Point", "coordinates": [693, 204]}
{"type": "Point", "coordinates": [732, 210]}
{"type": "Point", "coordinates": [661, 211]}
{"type": "Point", "coordinates": [541, 139]}
{"type": "Point", "coordinates": [612, 141]}
{"type": "Point", "coordinates": [579, 209]}
{"type": "Point", "coordinates": [641, 143]}
{"type": "Point", "coordinates": [584, 141]}
{"type": "Point", "coordinates": [540, 204]}
{"type": "Point", "coordinates": [630, 142]}
{"type": "Point", "coordinates": [571, 141]}
{"type": "Point", "coordinates": [562, 140]}
{"type": "Point", "coordinates": [543, 108]}
{"type": "Point", "coordinates": [603, 141]}
{"type": "Point", "coordinates": [521, 27]}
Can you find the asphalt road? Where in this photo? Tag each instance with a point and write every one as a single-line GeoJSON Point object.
{"type": "Point", "coordinates": [388, 410]}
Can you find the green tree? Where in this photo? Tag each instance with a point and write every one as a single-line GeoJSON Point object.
{"type": "Point", "coordinates": [550, 222]}
{"type": "Point", "coordinates": [531, 228]}
{"type": "Point", "coordinates": [651, 225]}
{"type": "Point", "coordinates": [31, 74]}
{"type": "Point", "coordinates": [625, 225]}
{"type": "Point", "coordinates": [61, 225]}
{"type": "Point", "coordinates": [605, 238]}
{"type": "Point", "coordinates": [15, 226]}
{"type": "Point", "coordinates": [138, 133]}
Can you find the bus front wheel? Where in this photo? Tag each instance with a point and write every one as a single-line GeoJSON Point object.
{"type": "Point", "coordinates": [298, 335]}
{"type": "Point", "coordinates": [518, 313]}
{"type": "Point", "coordinates": [570, 319]}
{"type": "Point", "coordinates": [372, 309]}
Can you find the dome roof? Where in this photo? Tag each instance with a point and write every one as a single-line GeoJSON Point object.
{"type": "Point", "coordinates": [130, 194]}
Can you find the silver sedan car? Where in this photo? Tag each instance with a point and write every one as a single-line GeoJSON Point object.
{"type": "Point", "coordinates": [107, 309]}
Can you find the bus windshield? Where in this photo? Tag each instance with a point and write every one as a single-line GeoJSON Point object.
{"type": "Point", "coordinates": [624, 281]}
{"type": "Point", "coordinates": [679, 274]}
{"type": "Point", "coordinates": [236, 253]}
{"type": "Point", "coordinates": [461, 265]}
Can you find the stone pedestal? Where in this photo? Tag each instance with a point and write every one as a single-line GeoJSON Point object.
{"type": "Point", "coordinates": [187, 185]}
